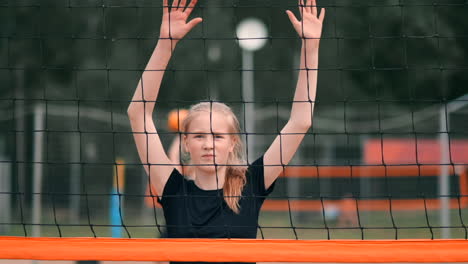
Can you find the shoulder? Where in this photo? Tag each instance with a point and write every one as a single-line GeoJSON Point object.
{"type": "Point", "coordinates": [176, 186]}
{"type": "Point", "coordinates": [175, 182]}
{"type": "Point", "coordinates": [256, 178]}
{"type": "Point", "coordinates": [256, 167]}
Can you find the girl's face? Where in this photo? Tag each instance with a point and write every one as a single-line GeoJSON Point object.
{"type": "Point", "coordinates": [208, 140]}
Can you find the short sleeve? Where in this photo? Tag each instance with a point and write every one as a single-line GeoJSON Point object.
{"type": "Point", "coordinates": [256, 176]}
{"type": "Point", "coordinates": [173, 185]}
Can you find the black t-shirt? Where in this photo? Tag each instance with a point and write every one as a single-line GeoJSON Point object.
{"type": "Point", "coordinates": [191, 212]}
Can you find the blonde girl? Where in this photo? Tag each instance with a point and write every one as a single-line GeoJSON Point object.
{"type": "Point", "coordinates": [219, 196]}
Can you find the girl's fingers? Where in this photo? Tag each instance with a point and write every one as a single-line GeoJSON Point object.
{"type": "Point", "coordinates": [292, 18]}
{"type": "Point", "coordinates": [307, 6]}
{"type": "Point", "coordinates": [190, 7]}
{"type": "Point", "coordinates": [182, 4]}
{"type": "Point", "coordinates": [192, 23]}
{"type": "Point", "coordinates": [313, 8]}
{"type": "Point", "coordinates": [165, 7]}
{"type": "Point", "coordinates": [322, 14]}
{"type": "Point", "coordinates": [175, 4]}
{"type": "Point", "coordinates": [301, 6]}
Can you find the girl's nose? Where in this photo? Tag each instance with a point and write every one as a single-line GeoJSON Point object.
{"type": "Point", "coordinates": [208, 143]}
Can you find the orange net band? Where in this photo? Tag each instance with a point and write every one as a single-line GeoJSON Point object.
{"type": "Point", "coordinates": [234, 250]}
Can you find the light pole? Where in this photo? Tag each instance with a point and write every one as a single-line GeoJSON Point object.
{"type": "Point", "coordinates": [252, 34]}
{"type": "Point", "coordinates": [444, 144]}
{"type": "Point", "coordinates": [38, 155]}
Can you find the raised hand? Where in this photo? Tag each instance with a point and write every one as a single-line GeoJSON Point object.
{"type": "Point", "coordinates": [310, 26]}
{"type": "Point", "coordinates": [174, 23]}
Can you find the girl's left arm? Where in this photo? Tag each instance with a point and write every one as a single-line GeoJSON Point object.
{"type": "Point", "coordinates": [286, 143]}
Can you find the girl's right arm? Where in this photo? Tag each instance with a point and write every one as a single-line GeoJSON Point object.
{"type": "Point", "coordinates": [174, 27]}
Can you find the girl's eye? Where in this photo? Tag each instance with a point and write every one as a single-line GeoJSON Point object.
{"type": "Point", "coordinates": [219, 136]}
{"type": "Point", "coordinates": [198, 136]}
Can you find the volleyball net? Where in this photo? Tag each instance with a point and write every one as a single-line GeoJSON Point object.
{"type": "Point", "coordinates": [382, 176]}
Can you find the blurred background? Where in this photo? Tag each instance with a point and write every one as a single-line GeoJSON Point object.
{"type": "Point", "coordinates": [392, 91]}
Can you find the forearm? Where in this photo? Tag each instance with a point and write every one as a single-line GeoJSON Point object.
{"type": "Point", "coordinates": [306, 89]}
{"type": "Point", "coordinates": [147, 91]}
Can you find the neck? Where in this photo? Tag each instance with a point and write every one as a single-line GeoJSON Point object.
{"type": "Point", "coordinates": [210, 180]}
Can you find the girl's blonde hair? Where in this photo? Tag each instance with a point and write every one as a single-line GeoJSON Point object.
{"type": "Point", "coordinates": [235, 172]}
